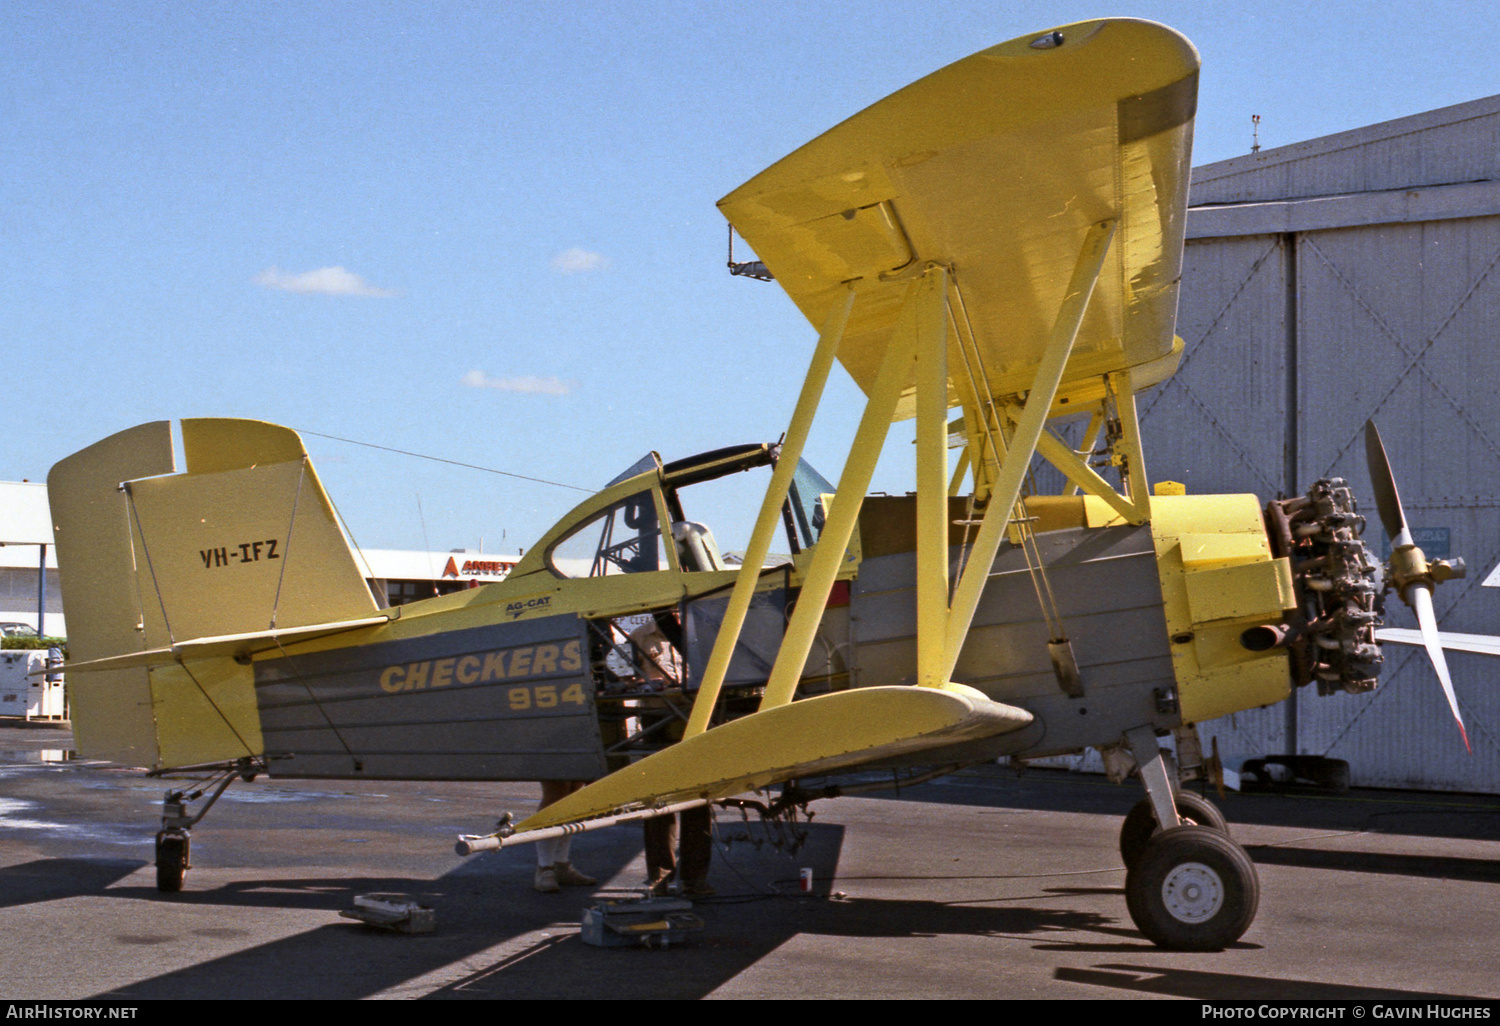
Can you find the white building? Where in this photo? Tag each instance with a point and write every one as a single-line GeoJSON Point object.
{"type": "Point", "coordinates": [25, 544]}
{"type": "Point", "coordinates": [399, 576]}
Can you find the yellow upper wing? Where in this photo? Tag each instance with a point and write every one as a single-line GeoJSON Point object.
{"type": "Point", "coordinates": [996, 166]}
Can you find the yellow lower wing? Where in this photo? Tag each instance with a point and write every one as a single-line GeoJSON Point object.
{"type": "Point", "coordinates": [815, 735]}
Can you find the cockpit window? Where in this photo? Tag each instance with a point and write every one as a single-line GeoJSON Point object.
{"type": "Point", "coordinates": [623, 539]}
{"type": "Point", "coordinates": [807, 487]}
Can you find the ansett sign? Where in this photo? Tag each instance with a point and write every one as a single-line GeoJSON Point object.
{"type": "Point", "coordinates": [477, 568]}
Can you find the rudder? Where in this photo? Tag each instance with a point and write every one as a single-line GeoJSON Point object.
{"type": "Point", "coordinates": [244, 541]}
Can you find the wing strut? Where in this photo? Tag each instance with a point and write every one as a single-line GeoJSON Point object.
{"type": "Point", "coordinates": [844, 728]}
{"type": "Point", "coordinates": [770, 515]}
{"type": "Point", "coordinates": [929, 309]}
{"type": "Point", "coordinates": [1135, 507]}
{"type": "Point", "coordinates": [1029, 429]}
{"type": "Point", "coordinates": [893, 378]}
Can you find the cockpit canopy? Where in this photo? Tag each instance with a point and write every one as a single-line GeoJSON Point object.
{"type": "Point", "coordinates": [625, 536]}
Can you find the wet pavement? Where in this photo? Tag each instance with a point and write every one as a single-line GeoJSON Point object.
{"type": "Point", "coordinates": [984, 884]}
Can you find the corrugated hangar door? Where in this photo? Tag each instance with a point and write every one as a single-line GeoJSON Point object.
{"type": "Point", "coordinates": [1399, 323]}
{"type": "Point", "coordinates": [1292, 342]}
{"type": "Point", "coordinates": [1219, 425]}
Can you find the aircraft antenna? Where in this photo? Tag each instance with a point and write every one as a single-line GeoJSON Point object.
{"type": "Point", "coordinates": [422, 519]}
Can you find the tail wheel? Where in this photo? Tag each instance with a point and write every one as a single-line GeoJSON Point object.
{"type": "Point", "coordinates": [1140, 824]}
{"type": "Point", "coordinates": [171, 862]}
{"type": "Point", "coordinates": [1192, 889]}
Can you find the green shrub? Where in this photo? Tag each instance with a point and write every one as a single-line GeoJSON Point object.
{"type": "Point", "coordinates": [48, 642]}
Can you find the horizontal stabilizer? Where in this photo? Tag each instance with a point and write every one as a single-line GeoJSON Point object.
{"type": "Point", "coordinates": [1484, 644]}
{"type": "Point", "coordinates": [816, 735]}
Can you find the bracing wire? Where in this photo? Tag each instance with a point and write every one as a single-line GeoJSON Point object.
{"type": "Point", "coordinates": [439, 459]}
{"type": "Point", "coordinates": [292, 665]}
{"type": "Point", "coordinates": [291, 524]}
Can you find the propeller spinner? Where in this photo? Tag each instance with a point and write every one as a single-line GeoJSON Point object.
{"type": "Point", "coordinates": [1410, 573]}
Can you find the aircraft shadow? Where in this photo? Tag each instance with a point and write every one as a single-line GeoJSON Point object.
{"type": "Point", "coordinates": [48, 879]}
{"type": "Point", "coordinates": [1435, 866]}
{"type": "Point", "coordinates": [744, 927]}
{"type": "Point", "coordinates": [1463, 816]}
{"type": "Point", "coordinates": [52, 879]}
{"type": "Point", "coordinates": [488, 901]}
{"type": "Point", "coordinates": [565, 967]}
{"type": "Point", "coordinates": [483, 902]}
{"type": "Point", "coordinates": [1192, 983]}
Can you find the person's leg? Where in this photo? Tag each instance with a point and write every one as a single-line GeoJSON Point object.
{"type": "Point", "coordinates": [546, 851]}
{"type": "Point", "coordinates": [566, 874]}
{"type": "Point", "coordinates": [661, 852]}
{"type": "Point", "coordinates": [546, 874]}
{"type": "Point", "coordinates": [697, 850]}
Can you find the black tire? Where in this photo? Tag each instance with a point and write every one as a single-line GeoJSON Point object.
{"type": "Point", "coordinates": [1140, 824]}
{"type": "Point", "coordinates": [171, 862]}
{"type": "Point", "coordinates": [1193, 889]}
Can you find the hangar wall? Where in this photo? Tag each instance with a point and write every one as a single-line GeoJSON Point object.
{"type": "Point", "coordinates": [1340, 279]}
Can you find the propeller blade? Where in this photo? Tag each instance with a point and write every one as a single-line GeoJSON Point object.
{"type": "Point", "coordinates": [1484, 644]}
{"type": "Point", "coordinates": [1421, 601]}
{"type": "Point", "coordinates": [1387, 499]}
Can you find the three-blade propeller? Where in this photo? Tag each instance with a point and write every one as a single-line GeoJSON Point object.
{"type": "Point", "coordinates": [1409, 564]}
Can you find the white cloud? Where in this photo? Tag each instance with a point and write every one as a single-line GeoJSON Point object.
{"type": "Point", "coordinates": [325, 281]}
{"type": "Point", "coordinates": [579, 261]}
{"type": "Point", "coordinates": [526, 383]}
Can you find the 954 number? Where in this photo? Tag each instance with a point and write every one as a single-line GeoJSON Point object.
{"type": "Point", "coordinates": [545, 696]}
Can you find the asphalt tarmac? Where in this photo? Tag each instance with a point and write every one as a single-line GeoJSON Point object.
{"type": "Point", "coordinates": [985, 884]}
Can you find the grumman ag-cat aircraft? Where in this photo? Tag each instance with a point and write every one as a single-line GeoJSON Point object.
{"type": "Point", "coordinates": [1003, 238]}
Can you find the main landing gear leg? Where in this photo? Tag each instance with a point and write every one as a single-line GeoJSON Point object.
{"type": "Point", "coordinates": [1188, 886]}
{"type": "Point", "coordinates": [1161, 787]}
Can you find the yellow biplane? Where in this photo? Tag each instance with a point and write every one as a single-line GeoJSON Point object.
{"type": "Point", "coordinates": [1003, 239]}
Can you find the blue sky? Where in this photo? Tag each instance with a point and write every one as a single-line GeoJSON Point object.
{"type": "Point", "coordinates": [486, 231]}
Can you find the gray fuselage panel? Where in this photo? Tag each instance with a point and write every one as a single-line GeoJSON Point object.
{"type": "Point", "coordinates": [1108, 594]}
{"type": "Point", "coordinates": [511, 701]}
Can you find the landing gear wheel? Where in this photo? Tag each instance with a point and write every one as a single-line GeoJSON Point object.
{"type": "Point", "coordinates": [1140, 824]}
{"type": "Point", "coordinates": [1192, 889]}
{"type": "Point", "coordinates": [171, 862]}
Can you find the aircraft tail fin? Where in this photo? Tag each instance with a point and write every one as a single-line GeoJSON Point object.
{"type": "Point", "coordinates": [244, 540]}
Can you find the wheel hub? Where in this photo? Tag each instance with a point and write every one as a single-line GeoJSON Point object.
{"type": "Point", "coordinates": [1192, 893]}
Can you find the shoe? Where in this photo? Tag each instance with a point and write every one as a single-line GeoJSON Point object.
{"type": "Point", "coordinates": [570, 877]}
{"type": "Point", "coordinates": [698, 889]}
{"type": "Point", "coordinates": [661, 889]}
{"type": "Point", "coordinates": [546, 880]}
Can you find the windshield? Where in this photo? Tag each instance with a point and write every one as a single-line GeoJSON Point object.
{"type": "Point", "coordinates": [650, 461]}
{"type": "Point", "coordinates": [808, 486]}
